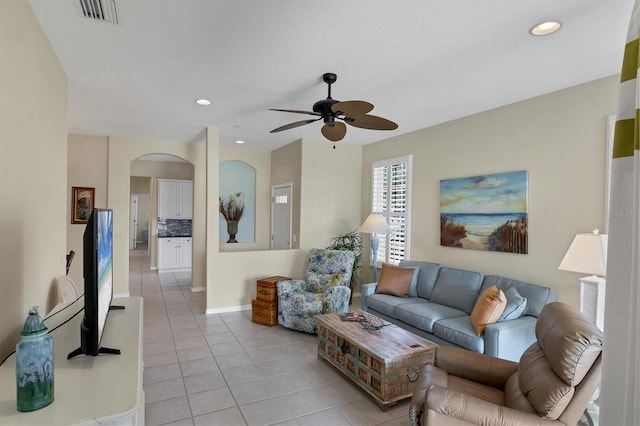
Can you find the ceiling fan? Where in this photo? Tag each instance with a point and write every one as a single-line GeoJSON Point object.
{"type": "Point", "coordinates": [354, 113]}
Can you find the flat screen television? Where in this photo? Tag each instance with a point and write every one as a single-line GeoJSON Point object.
{"type": "Point", "coordinates": [98, 282]}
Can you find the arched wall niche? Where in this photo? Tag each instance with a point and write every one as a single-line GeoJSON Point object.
{"type": "Point", "coordinates": [237, 186]}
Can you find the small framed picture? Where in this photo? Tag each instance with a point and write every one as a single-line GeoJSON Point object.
{"type": "Point", "coordinates": [81, 204]}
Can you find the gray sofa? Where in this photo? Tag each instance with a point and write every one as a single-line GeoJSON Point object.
{"type": "Point", "coordinates": [440, 303]}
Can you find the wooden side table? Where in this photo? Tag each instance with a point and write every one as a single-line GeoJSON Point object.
{"type": "Point", "coordinates": [264, 309]}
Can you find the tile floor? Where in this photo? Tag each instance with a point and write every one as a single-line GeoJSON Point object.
{"type": "Point", "coordinates": [225, 370]}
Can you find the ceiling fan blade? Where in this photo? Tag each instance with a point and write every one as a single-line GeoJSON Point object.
{"type": "Point", "coordinates": [372, 122]}
{"type": "Point", "coordinates": [293, 125]}
{"type": "Point", "coordinates": [296, 111]}
{"type": "Point", "coordinates": [352, 108]}
{"type": "Point", "coordinates": [334, 133]}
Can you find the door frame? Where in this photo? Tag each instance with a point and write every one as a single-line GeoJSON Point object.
{"type": "Point", "coordinates": [133, 221]}
{"type": "Point", "coordinates": [273, 188]}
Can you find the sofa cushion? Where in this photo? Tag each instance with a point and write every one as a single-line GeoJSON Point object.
{"type": "Point", "coordinates": [459, 331]}
{"type": "Point", "coordinates": [319, 283]}
{"type": "Point", "coordinates": [427, 275]}
{"type": "Point", "coordinates": [424, 315]}
{"type": "Point", "coordinates": [457, 289]}
{"type": "Point", "coordinates": [487, 309]}
{"type": "Point", "coordinates": [396, 280]}
{"type": "Point", "coordinates": [516, 304]}
{"type": "Point", "coordinates": [537, 296]}
{"type": "Point", "coordinates": [387, 304]}
{"type": "Point", "coordinates": [546, 392]}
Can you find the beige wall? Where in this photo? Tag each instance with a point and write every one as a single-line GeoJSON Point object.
{"type": "Point", "coordinates": [138, 184]}
{"type": "Point", "coordinates": [261, 162]}
{"type": "Point", "coordinates": [231, 276]}
{"type": "Point", "coordinates": [33, 170]}
{"type": "Point", "coordinates": [162, 169]}
{"type": "Point", "coordinates": [286, 167]}
{"type": "Point", "coordinates": [230, 283]}
{"type": "Point", "coordinates": [559, 138]}
{"type": "Point", "coordinates": [330, 191]}
{"type": "Point", "coordinates": [87, 167]}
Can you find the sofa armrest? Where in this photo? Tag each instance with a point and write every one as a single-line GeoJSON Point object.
{"type": "Point", "coordinates": [366, 290]}
{"type": "Point", "coordinates": [336, 299]}
{"type": "Point", "coordinates": [288, 286]}
{"type": "Point", "coordinates": [509, 339]}
{"type": "Point", "coordinates": [443, 403]}
{"type": "Point", "coordinates": [474, 366]}
{"type": "Point", "coordinates": [428, 375]}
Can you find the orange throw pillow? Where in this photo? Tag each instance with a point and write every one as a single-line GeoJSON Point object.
{"type": "Point", "coordinates": [488, 309]}
{"type": "Point", "coordinates": [395, 280]}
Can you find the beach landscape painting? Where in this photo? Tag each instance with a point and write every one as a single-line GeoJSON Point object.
{"type": "Point", "coordinates": [487, 212]}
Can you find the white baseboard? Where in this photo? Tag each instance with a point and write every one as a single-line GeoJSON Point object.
{"type": "Point", "coordinates": [212, 311]}
{"type": "Point", "coordinates": [198, 289]}
{"type": "Point", "coordinates": [161, 271]}
{"type": "Point", "coordinates": [356, 294]}
{"type": "Point", "coordinates": [153, 268]}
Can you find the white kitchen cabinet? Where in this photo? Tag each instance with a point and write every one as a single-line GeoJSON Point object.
{"type": "Point", "coordinates": [175, 199]}
{"type": "Point", "coordinates": [185, 252]}
{"type": "Point", "coordinates": [185, 197]}
{"type": "Point", "coordinates": [174, 253]}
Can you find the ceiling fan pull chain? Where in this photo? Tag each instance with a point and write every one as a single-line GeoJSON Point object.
{"type": "Point", "coordinates": [334, 145]}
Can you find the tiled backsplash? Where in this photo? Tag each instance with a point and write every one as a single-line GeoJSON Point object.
{"type": "Point", "coordinates": [174, 227]}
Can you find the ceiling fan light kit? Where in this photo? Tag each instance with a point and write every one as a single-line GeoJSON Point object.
{"type": "Point", "coordinates": [329, 110]}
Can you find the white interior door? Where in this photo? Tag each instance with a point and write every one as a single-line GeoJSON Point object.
{"type": "Point", "coordinates": [142, 234]}
{"type": "Point", "coordinates": [133, 225]}
{"type": "Point", "coordinates": [281, 217]}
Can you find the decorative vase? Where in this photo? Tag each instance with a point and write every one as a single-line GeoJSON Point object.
{"type": "Point", "coordinates": [34, 365]}
{"type": "Point", "coordinates": [232, 229]}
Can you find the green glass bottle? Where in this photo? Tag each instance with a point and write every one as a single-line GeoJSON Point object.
{"type": "Point", "coordinates": [34, 364]}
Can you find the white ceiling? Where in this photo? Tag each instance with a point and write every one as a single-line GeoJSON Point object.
{"type": "Point", "coordinates": [420, 62]}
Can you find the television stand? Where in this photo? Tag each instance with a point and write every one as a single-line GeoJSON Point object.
{"type": "Point", "coordinates": [101, 350]}
{"type": "Point", "coordinates": [120, 399]}
{"type": "Point", "coordinates": [111, 351]}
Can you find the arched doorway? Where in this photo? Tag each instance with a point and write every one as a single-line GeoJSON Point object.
{"type": "Point", "coordinates": [148, 173]}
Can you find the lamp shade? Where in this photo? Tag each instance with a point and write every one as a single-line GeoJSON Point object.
{"type": "Point", "coordinates": [375, 224]}
{"type": "Point", "coordinates": [587, 254]}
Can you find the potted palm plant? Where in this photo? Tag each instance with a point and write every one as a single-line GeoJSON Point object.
{"type": "Point", "coordinates": [351, 241]}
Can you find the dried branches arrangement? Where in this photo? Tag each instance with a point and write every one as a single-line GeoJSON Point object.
{"type": "Point", "coordinates": [232, 208]}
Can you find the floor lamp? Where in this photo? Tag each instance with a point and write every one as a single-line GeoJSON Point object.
{"type": "Point", "coordinates": [375, 224]}
{"type": "Point", "coordinates": [588, 255]}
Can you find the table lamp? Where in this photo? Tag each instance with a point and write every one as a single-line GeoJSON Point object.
{"type": "Point", "coordinates": [375, 224]}
{"type": "Point", "coordinates": [588, 255]}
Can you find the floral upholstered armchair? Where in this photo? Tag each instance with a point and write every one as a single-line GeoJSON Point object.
{"type": "Point", "coordinates": [324, 289]}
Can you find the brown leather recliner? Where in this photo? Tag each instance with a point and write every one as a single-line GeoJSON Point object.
{"type": "Point", "coordinates": [551, 385]}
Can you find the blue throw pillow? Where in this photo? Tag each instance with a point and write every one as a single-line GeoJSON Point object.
{"type": "Point", "coordinates": [516, 304]}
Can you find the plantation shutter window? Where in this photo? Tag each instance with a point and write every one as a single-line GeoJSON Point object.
{"type": "Point", "coordinates": [390, 197]}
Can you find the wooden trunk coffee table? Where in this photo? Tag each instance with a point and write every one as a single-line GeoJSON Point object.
{"type": "Point", "coordinates": [384, 363]}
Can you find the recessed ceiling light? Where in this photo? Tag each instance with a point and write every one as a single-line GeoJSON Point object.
{"type": "Point", "coordinates": [203, 102]}
{"type": "Point", "coordinates": [545, 28]}
{"type": "Point", "coordinates": [239, 142]}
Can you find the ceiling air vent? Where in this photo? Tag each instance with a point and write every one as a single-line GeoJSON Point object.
{"type": "Point", "coordinates": [100, 10]}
